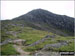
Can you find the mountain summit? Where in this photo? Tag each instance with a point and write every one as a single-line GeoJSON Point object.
{"type": "Point", "coordinates": [45, 20]}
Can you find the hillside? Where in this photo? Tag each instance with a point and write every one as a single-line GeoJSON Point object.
{"type": "Point", "coordinates": [40, 29]}
{"type": "Point", "coordinates": [49, 21]}
{"type": "Point", "coordinates": [44, 20]}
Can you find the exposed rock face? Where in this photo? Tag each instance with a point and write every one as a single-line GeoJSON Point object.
{"type": "Point", "coordinates": [42, 53]}
{"type": "Point", "coordinates": [55, 45]}
{"type": "Point", "coordinates": [42, 40]}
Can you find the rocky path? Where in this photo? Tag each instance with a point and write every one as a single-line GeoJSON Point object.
{"type": "Point", "coordinates": [20, 50]}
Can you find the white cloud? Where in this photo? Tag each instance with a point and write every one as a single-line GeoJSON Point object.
{"type": "Point", "coordinates": [11, 9]}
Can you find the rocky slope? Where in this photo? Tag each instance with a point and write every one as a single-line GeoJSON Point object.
{"type": "Point", "coordinates": [45, 20]}
{"type": "Point", "coordinates": [40, 29]}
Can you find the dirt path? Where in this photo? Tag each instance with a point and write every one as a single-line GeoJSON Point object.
{"type": "Point", "coordinates": [20, 50]}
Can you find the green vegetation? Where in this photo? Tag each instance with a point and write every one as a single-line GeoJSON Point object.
{"type": "Point", "coordinates": [32, 35]}
{"type": "Point", "coordinates": [69, 47]}
{"type": "Point", "coordinates": [8, 50]}
{"type": "Point", "coordinates": [34, 26]}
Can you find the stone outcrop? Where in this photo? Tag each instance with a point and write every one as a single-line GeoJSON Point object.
{"type": "Point", "coordinates": [5, 42]}
{"type": "Point", "coordinates": [16, 41]}
{"type": "Point", "coordinates": [55, 45]}
{"type": "Point", "coordinates": [42, 40]}
{"type": "Point", "coordinates": [42, 53]}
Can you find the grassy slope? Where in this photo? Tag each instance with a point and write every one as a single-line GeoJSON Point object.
{"type": "Point", "coordinates": [69, 47]}
{"type": "Point", "coordinates": [8, 50]}
{"type": "Point", "coordinates": [27, 33]}
{"type": "Point", "coordinates": [32, 35]}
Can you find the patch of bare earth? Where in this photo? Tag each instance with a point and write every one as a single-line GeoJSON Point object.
{"type": "Point", "coordinates": [20, 50]}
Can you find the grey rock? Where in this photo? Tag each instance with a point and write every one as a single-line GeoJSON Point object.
{"type": "Point", "coordinates": [55, 45]}
{"type": "Point", "coordinates": [42, 40]}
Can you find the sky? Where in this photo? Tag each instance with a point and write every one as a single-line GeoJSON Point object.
{"type": "Point", "coordinates": [12, 9]}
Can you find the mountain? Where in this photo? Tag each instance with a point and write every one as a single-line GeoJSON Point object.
{"type": "Point", "coordinates": [40, 19]}
{"type": "Point", "coordinates": [41, 30]}
{"type": "Point", "coordinates": [45, 20]}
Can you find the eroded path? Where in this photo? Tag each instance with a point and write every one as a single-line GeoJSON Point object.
{"type": "Point", "coordinates": [20, 50]}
